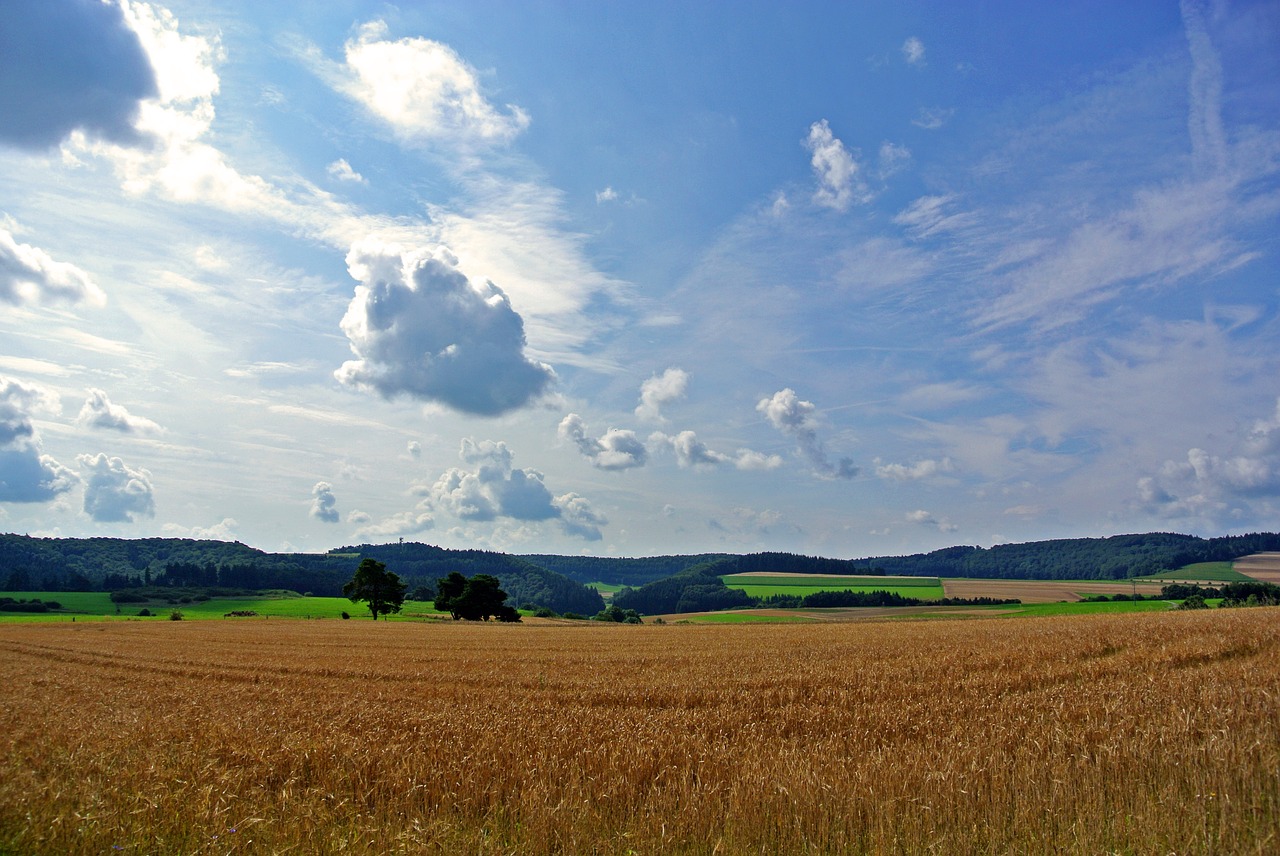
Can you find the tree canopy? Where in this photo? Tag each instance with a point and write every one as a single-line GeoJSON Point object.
{"type": "Point", "coordinates": [477, 598]}
{"type": "Point", "coordinates": [380, 589]}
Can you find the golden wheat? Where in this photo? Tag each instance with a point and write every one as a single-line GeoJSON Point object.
{"type": "Point", "coordinates": [1136, 733]}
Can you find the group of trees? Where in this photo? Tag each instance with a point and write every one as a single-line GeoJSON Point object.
{"type": "Point", "coordinates": [477, 598]}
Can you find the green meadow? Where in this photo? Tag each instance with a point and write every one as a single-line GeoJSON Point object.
{"type": "Point", "coordinates": [759, 586]}
{"type": "Point", "coordinates": [1222, 572]}
{"type": "Point", "coordinates": [99, 606]}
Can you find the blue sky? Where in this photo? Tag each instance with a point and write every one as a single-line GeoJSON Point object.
{"type": "Point", "coordinates": [639, 278]}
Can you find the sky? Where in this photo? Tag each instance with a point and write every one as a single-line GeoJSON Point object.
{"type": "Point", "coordinates": [613, 278]}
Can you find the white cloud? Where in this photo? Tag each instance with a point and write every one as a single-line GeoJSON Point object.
{"type": "Point", "coordinates": [932, 118]}
{"type": "Point", "coordinates": [835, 169]}
{"type": "Point", "coordinates": [395, 526]}
{"type": "Point", "coordinates": [342, 171]}
{"type": "Point", "coordinates": [495, 489]}
{"type": "Point", "coordinates": [922, 469]}
{"type": "Point", "coordinates": [921, 517]}
{"type": "Point", "coordinates": [606, 195]}
{"type": "Point", "coordinates": [578, 518]}
{"type": "Point", "coordinates": [692, 453]}
{"type": "Point", "coordinates": [659, 391]}
{"type": "Point", "coordinates": [418, 326]}
{"type": "Point", "coordinates": [796, 418]}
{"type": "Point", "coordinates": [1204, 122]}
{"type": "Point", "coordinates": [893, 158]}
{"type": "Point", "coordinates": [30, 275]}
{"type": "Point", "coordinates": [223, 530]}
{"type": "Point", "coordinates": [414, 448]}
{"type": "Point", "coordinates": [115, 492]}
{"type": "Point", "coordinates": [913, 51]}
{"type": "Point", "coordinates": [1240, 485]}
{"type": "Point", "coordinates": [616, 449]}
{"type": "Point", "coordinates": [68, 65]}
{"type": "Point", "coordinates": [424, 90]}
{"type": "Point", "coordinates": [99, 412]}
{"type": "Point", "coordinates": [324, 505]}
{"type": "Point", "coordinates": [26, 473]}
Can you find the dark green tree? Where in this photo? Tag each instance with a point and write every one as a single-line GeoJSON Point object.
{"type": "Point", "coordinates": [379, 588]}
{"type": "Point", "coordinates": [476, 599]}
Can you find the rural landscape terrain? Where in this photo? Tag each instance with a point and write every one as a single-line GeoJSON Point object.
{"type": "Point", "coordinates": [1085, 715]}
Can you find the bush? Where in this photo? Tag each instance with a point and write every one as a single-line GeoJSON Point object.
{"type": "Point", "coordinates": [144, 612]}
{"type": "Point", "coordinates": [175, 615]}
{"type": "Point", "coordinates": [346, 616]}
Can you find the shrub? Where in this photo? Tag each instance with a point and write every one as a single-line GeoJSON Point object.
{"type": "Point", "coordinates": [175, 615]}
{"type": "Point", "coordinates": [144, 612]}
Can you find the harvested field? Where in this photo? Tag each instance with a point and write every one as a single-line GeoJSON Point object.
{"type": "Point", "coordinates": [1144, 733]}
{"type": "Point", "coordinates": [1261, 566]}
{"type": "Point", "coordinates": [1035, 591]}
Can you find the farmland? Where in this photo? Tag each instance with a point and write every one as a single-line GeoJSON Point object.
{"type": "Point", "coordinates": [1136, 733]}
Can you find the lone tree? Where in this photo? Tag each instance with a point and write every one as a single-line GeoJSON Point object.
{"type": "Point", "coordinates": [474, 599]}
{"type": "Point", "coordinates": [376, 586]}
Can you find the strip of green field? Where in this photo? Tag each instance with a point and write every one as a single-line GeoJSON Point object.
{"type": "Point", "coordinates": [1223, 572]}
{"type": "Point", "coordinates": [98, 605]}
{"type": "Point", "coordinates": [606, 588]}
{"type": "Point", "coordinates": [1082, 608]}
{"type": "Point", "coordinates": [833, 582]}
{"type": "Point", "coordinates": [744, 618]}
{"type": "Point", "coordinates": [918, 592]}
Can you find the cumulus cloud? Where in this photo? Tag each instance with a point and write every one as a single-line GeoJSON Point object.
{"type": "Point", "coordinates": [424, 90]}
{"type": "Point", "coordinates": [99, 412]}
{"type": "Point", "coordinates": [224, 530]}
{"type": "Point", "coordinates": [30, 275]}
{"type": "Point", "coordinates": [913, 51]}
{"type": "Point", "coordinates": [324, 505]}
{"type": "Point", "coordinates": [342, 171]}
{"type": "Point", "coordinates": [115, 492]}
{"type": "Point", "coordinates": [419, 327]}
{"type": "Point", "coordinates": [606, 195]}
{"type": "Point", "coordinates": [414, 449]}
{"type": "Point", "coordinates": [616, 449]}
{"type": "Point", "coordinates": [494, 489]}
{"type": "Point", "coordinates": [835, 169]}
{"type": "Point", "coordinates": [395, 526]}
{"type": "Point", "coordinates": [659, 391]}
{"type": "Point", "coordinates": [913, 472]}
{"type": "Point", "coordinates": [1217, 488]}
{"type": "Point", "coordinates": [26, 473]}
{"type": "Point", "coordinates": [692, 453]}
{"type": "Point", "coordinates": [796, 418]}
{"type": "Point", "coordinates": [921, 517]}
{"type": "Point", "coordinates": [67, 65]}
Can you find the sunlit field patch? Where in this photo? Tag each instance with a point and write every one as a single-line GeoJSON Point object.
{"type": "Point", "coordinates": [1138, 733]}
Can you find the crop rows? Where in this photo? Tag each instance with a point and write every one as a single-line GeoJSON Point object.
{"type": "Point", "coordinates": [1136, 733]}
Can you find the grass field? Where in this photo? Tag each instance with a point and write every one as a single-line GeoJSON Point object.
{"type": "Point", "coordinates": [1149, 733]}
{"type": "Point", "coordinates": [98, 606]}
{"type": "Point", "coordinates": [799, 585]}
{"type": "Point", "coordinates": [1210, 572]}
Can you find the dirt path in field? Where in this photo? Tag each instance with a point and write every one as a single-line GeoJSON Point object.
{"type": "Point", "coordinates": [1260, 566]}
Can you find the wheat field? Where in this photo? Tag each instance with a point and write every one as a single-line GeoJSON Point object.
{"type": "Point", "coordinates": [1144, 733]}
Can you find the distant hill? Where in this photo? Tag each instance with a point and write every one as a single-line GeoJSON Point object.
{"type": "Point", "coordinates": [84, 564]}
{"type": "Point", "coordinates": [81, 564]}
{"type": "Point", "coordinates": [1115, 557]}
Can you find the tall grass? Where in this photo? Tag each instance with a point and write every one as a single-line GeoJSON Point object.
{"type": "Point", "coordinates": [1137, 733]}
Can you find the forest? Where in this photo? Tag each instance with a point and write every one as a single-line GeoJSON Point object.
{"type": "Point", "coordinates": [560, 582]}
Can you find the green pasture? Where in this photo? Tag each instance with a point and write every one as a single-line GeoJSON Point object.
{"type": "Point", "coordinates": [1030, 610]}
{"type": "Point", "coordinates": [607, 590]}
{"type": "Point", "coordinates": [1219, 572]}
{"type": "Point", "coordinates": [742, 618]}
{"type": "Point", "coordinates": [98, 606]}
{"type": "Point", "coordinates": [921, 588]}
